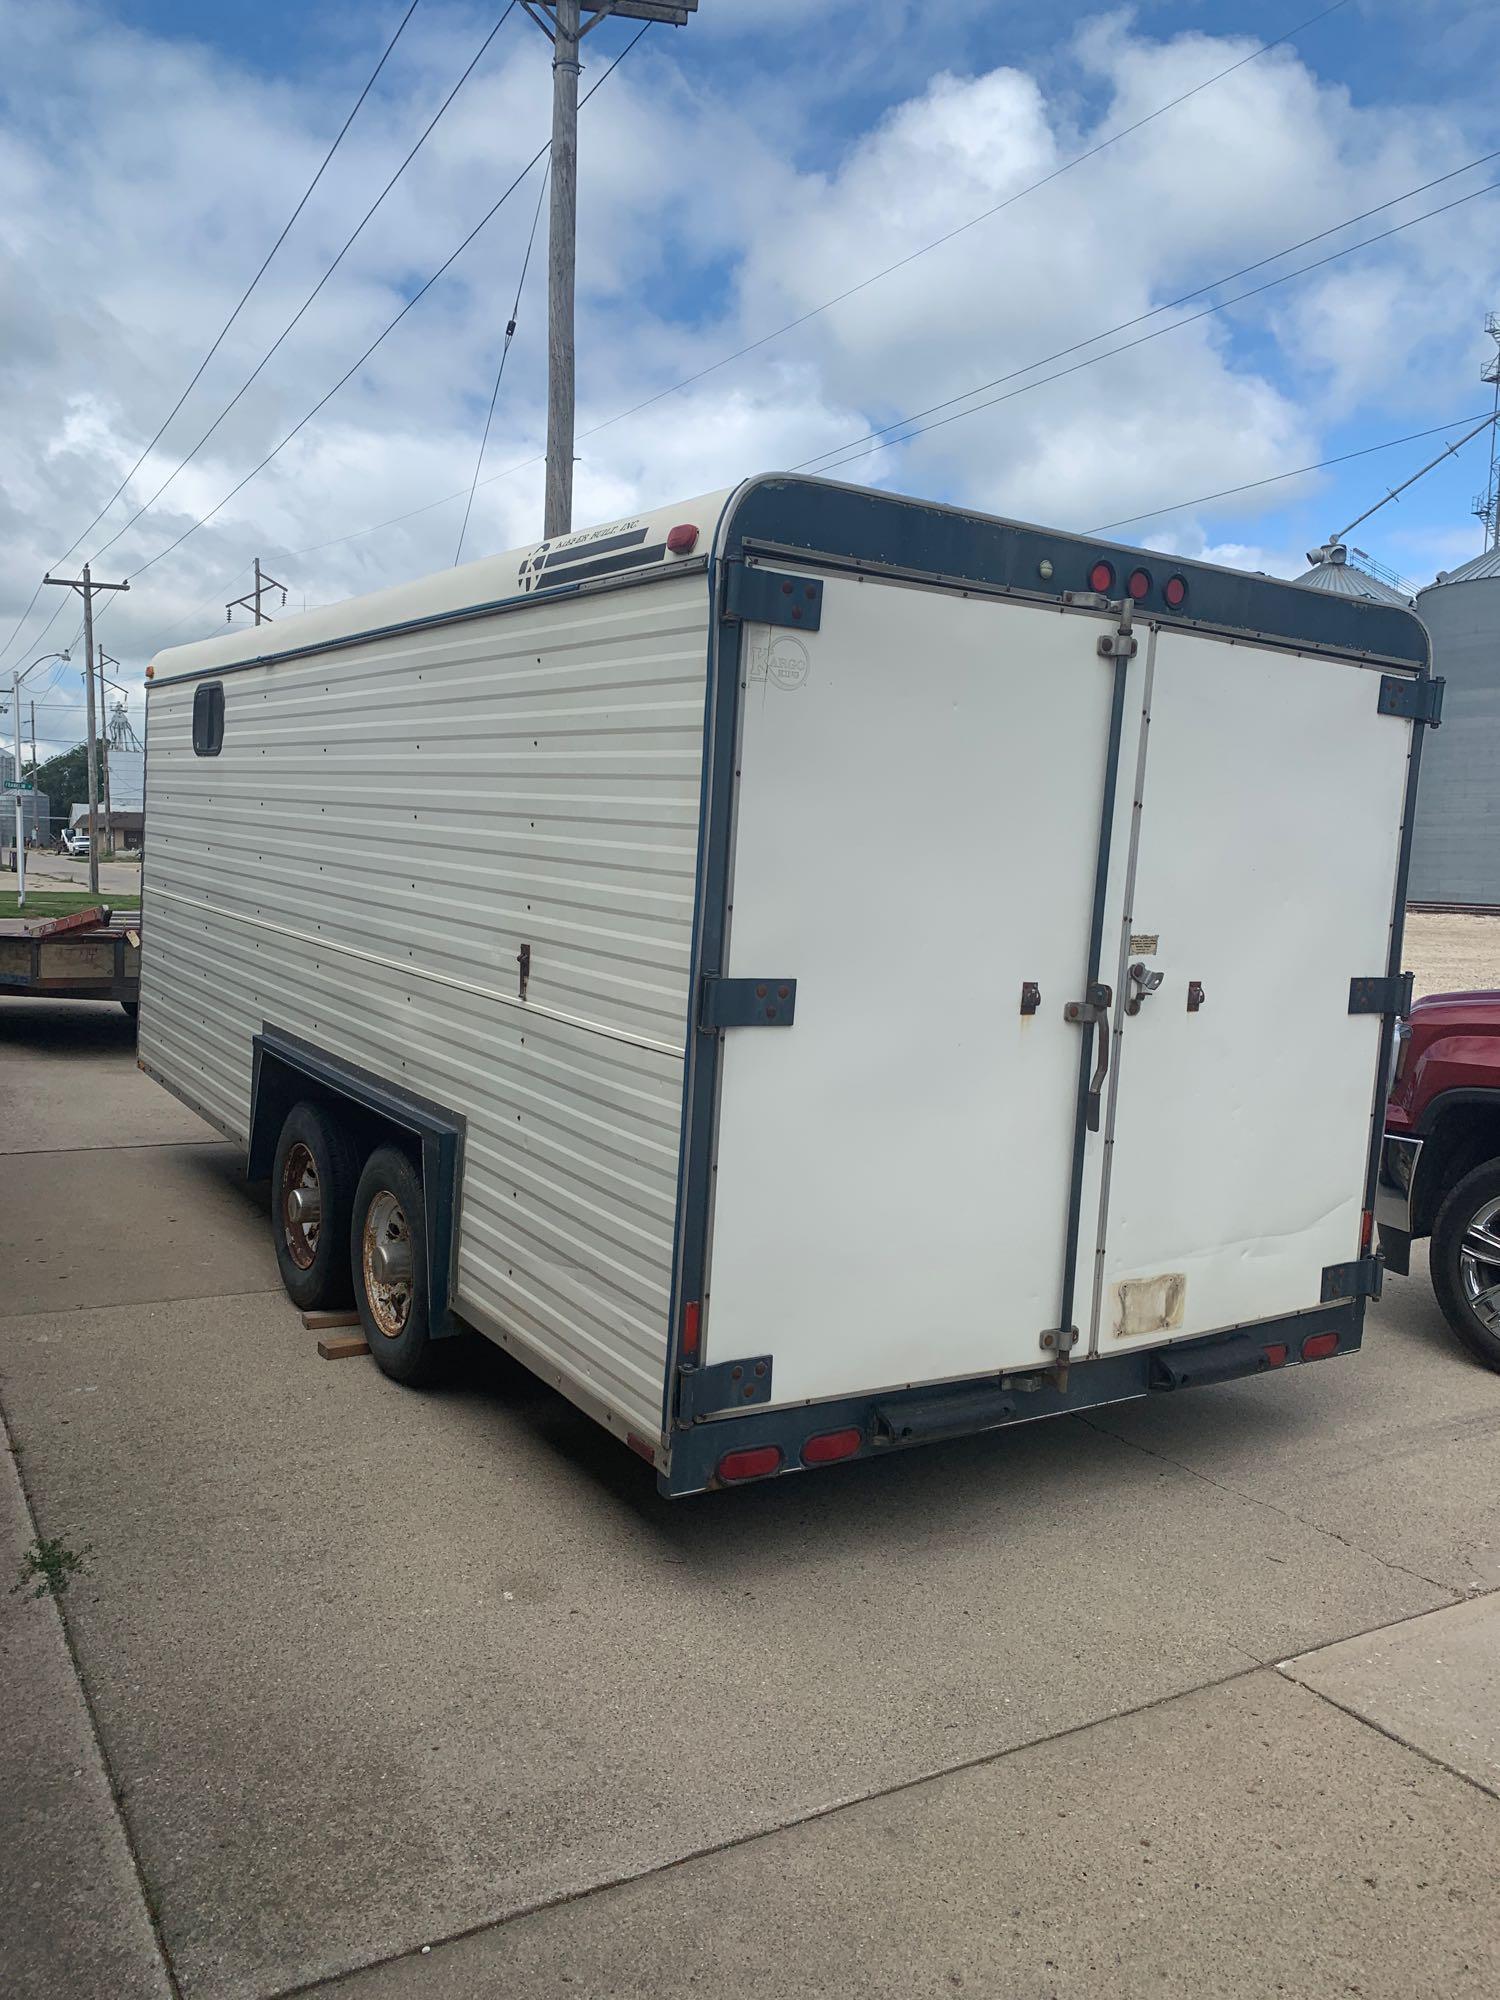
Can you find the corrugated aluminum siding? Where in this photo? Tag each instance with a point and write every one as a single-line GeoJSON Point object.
{"type": "Point", "coordinates": [383, 829]}
{"type": "Point", "coordinates": [1456, 851]}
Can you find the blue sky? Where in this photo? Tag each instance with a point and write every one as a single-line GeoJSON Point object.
{"type": "Point", "coordinates": [735, 175]}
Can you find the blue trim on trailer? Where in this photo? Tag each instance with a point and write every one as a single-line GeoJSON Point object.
{"type": "Point", "coordinates": [843, 526]}
{"type": "Point", "coordinates": [899, 1419]}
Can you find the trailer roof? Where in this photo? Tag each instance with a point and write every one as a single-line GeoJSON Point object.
{"type": "Point", "coordinates": [638, 542]}
{"type": "Point", "coordinates": [857, 527]}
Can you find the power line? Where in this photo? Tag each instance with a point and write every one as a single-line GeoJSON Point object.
{"type": "Point", "coordinates": [223, 330]}
{"type": "Point", "coordinates": [421, 293]}
{"type": "Point", "coordinates": [510, 334]}
{"type": "Point", "coordinates": [724, 360]}
{"type": "Point", "coordinates": [1274, 478]}
{"type": "Point", "coordinates": [1142, 339]}
{"type": "Point", "coordinates": [1076, 160]}
{"type": "Point", "coordinates": [297, 315]}
{"type": "Point", "coordinates": [1155, 312]}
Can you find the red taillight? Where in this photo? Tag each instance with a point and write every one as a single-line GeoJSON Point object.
{"type": "Point", "coordinates": [1174, 590]}
{"type": "Point", "coordinates": [829, 1445]}
{"type": "Point", "coordinates": [690, 1328]}
{"type": "Point", "coordinates": [1318, 1346]}
{"type": "Point", "coordinates": [682, 539]}
{"type": "Point", "coordinates": [753, 1463]}
{"type": "Point", "coordinates": [1102, 578]}
{"type": "Point", "coordinates": [1139, 584]}
{"type": "Point", "coordinates": [1366, 1231]}
{"type": "Point", "coordinates": [1276, 1356]}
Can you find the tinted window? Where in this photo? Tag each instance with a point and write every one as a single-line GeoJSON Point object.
{"type": "Point", "coordinates": [208, 719]}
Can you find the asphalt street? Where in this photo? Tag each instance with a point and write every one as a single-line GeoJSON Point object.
{"type": "Point", "coordinates": [431, 1693]}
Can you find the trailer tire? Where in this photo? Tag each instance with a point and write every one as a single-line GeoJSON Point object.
{"type": "Point", "coordinates": [314, 1155]}
{"type": "Point", "coordinates": [388, 1256]}
{"type": "Point", "coordinates": [1458, 1273]}
{"type": "Point", "coordinates": [130, 1008]}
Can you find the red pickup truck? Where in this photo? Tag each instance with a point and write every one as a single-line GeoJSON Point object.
{"type": "Point", "coordinates": [1440, 1165]}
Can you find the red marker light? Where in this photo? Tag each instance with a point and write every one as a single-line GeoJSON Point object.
{"type": "Point", "coordinates": [753, 1463]}
{"type": "Point", "coordinates": [690, 1328]}
{"type": "Point", "coordinates": [682, 539]}
{"type": "Point", "coordinates": [1174, 590]}
{"type": "Point", "coordinates": [1139, 584]}
{"type": "Point", "coordinates": [1318, 1346]}
{"type": "Point", "coordinates": [1102, 577]}
{"type": "Point", "coordinates": [831, 1445]}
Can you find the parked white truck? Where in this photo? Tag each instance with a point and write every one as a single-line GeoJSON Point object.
{"type": "Point", "coordinates": [807, 971]}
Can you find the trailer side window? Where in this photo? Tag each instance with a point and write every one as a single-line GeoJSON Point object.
{"type": "Point", "coordinates": [208, 719]}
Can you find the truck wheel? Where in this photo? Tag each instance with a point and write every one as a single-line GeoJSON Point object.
{"type": "Point", "coordinates": [312, 1195]}
{"type": "Point", "coordinates": [1465, 1262]}
{"type": "Point", "coordinates": [388, 1252]}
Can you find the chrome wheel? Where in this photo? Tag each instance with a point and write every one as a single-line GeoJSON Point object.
{"type": "Point", "coordinates": [385, 1253]}
{"type": "Point", "coordinates": [301, 1206]}
{"type": "Point", "coordinates": [1479, 1264]}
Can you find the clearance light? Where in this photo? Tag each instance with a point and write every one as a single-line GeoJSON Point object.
{"type": "Point", "coordinates": [682, 539]}
{"type": "Point", "coordinates": [830, 1445]}
{"type": "Point", "coordinates": [1366, 1231]}
{"type": "Point", "coordinates": [1139, 584]}
{"type": "Point", "coordinates": [1174, 590]}
{"type": "Point", "coordinates": [1276, 1356]}
{"type": "Point", "coordinates": [1102, 577]}
{"type": "Point", "coordinates": [753, 1463]}
{"type": "Point", "coordinates": [1318, 1346]}
{"type": "Point", "coordinates": [690, 1320]}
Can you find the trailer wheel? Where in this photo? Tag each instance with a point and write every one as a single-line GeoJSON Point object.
{"type": "Point", "coordinates": [388, 1246]}
{"type": "Point", "coordinates": [130, 1008]}
{"type": "Point", "coordinates": [1465, 1262]}
{"type": "Point", "coordinates": [312, 1195]}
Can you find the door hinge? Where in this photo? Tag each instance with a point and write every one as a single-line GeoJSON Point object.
{"type": "Point", "coordinates": [1360, 1280]}
{"type": "Point", "coordinates": [770, 597]}
{"type": "Point", "coordinates": [727, 1385]}
{"type": "Point", "coordinates": [1121, 643]}
{"type": "Point", "coordinates": [746, 1003]}
{"type": "Point", "coordinates": [1417, 700]}
{"type": "Point", "coordinates": [1389, 995]}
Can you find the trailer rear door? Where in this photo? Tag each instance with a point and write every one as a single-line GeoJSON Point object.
{"type": "Point", "coordinates": [917, 836]}
{"type": "Point", "coordinates": [1262, 878]}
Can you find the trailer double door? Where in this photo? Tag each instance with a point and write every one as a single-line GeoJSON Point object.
{"type": "Point", "coordinates": [956, 820]}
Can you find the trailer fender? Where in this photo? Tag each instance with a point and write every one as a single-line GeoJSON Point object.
{"type": "Point", "coordinates": [285, 1069]}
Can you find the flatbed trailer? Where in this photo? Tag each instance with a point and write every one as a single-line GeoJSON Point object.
{"type": "Point", "coordinates": [92, 954]}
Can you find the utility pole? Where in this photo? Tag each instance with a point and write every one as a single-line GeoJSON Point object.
{"type": "Point", "coordinates": [1487, 503]}
{"type": "Point", "coordinates": [561, 21]}
{"type": "Point", "coordinates": [86, 587]}
{"type": "Point", "coordinates": [264, 581]}
{"type": "Point", "coordinates": [109, 818]}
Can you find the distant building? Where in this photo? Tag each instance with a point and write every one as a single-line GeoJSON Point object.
{"type": "Point", "coordinates": [1332, 571]}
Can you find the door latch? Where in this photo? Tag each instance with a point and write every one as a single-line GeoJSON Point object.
{"type": "Point", "coordinates": [1143, 980]}
{"type": "Point", "coordinates": [1092, 1013]}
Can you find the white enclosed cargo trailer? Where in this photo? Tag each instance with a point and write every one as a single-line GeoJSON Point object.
{"type": "Point", "coordinates": [807, 971]}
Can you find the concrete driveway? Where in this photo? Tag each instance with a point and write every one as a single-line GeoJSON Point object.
{"type": "Point", "coordinates": [354, 1671]}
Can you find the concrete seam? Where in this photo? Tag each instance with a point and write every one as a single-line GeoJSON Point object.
{"type": "Point", "coordinates": [1391, 1735]}
{"type": "Point", "coordinates": [328, 1980]}
{"type": "Point", "coordinates": [129, 1146]}
{"type": "Point", "coordinates": [142, 1305]}
{"type": "Point", "coordinates": [7, 1436]}
{"type": "Point", "coordinates": [1284, 1513]}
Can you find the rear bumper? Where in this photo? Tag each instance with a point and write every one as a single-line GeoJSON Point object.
{"type": "Point", "coordinates": [902, 1418]}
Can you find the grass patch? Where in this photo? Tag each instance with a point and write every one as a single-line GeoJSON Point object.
{"type": "Point", "coordinates": [47, 1568]}
{"type": "Point", "coordinates": [63, 902]}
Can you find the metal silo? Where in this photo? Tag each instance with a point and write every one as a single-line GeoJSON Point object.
{"type": "Point", "coordinates": [1456, 848]}
{"type": "Point", "coordinates": [1332, 570]}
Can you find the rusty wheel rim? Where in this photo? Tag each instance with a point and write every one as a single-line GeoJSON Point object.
{"type": "Point", "coordinates": [386, 1231]}
{"type": "Point", "coordinates": [299, 1179]}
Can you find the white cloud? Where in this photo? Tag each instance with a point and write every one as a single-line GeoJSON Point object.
{"type": "Point", "coordinates": [145, 179]}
